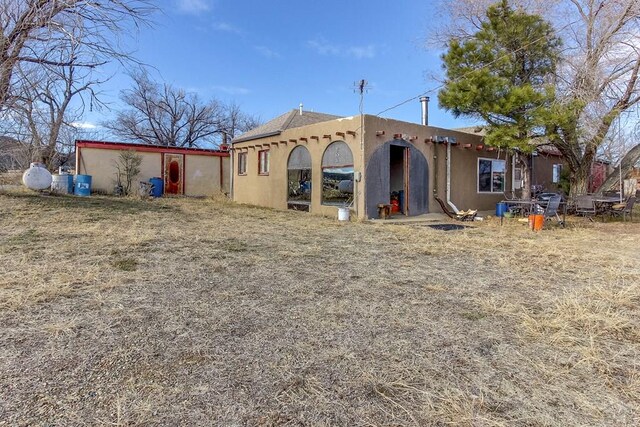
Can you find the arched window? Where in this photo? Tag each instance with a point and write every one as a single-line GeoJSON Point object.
{"type": "Point", "coordinates": [337, 175]}
{"type": "Point", "coordinates": [299, 179]}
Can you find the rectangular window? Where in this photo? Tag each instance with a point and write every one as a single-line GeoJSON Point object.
{"type": "Point", "coordinates": [242, 163]}
{"type": "Point", "coordinates": [517, 177]}
{"type": "Point", "coordinates": [263, 162]}
{"type": "Point", "coordinates": [557, 170]}
{"type": "Point", "coordinates": [491, 175]}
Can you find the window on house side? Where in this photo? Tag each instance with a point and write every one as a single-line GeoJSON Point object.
{"type": "Point", "coordinates": [242, 163]}
{"type": "Point", "coordinates": [263, 162]}
{"type": "Point", "coordinates": [517, 177]}
{"type": "Point", "coordinates": [491, 175]}
{"type": "Point", "coordinates": [557, 170]}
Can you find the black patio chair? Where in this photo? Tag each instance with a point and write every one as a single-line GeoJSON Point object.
{"type": "Point", "coordinates": [585, 206]}
{"type": "Point", "coordinates": [551, 210]}
{"type": "Point", "coordinates": [624, 209]}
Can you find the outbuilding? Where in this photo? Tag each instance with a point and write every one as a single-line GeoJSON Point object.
{"type": "Point", "coordinates": [318, 162]}
{"type": "Point", "coordinates": [185, 171]}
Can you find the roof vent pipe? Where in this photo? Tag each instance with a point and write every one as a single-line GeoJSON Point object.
{"type": "Point", "coordinates": [301, 108]}
{"type": "Point", "coordinates": [424, 100]}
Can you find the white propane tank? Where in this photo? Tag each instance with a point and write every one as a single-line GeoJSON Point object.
{"type": "Point", "coordinates": [37, 177]}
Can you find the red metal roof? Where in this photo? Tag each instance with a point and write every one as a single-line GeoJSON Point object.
{"type": "Point", "coordinates": [107, 145]}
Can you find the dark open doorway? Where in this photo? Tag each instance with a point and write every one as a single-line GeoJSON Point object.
{"type": "Point", "coordinates": [398, 173]}
{"type": "Point", "coordinates": [409, 167]}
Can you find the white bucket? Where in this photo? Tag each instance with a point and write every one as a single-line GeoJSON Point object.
{"type": "Point", "coordinates": [343, 214]}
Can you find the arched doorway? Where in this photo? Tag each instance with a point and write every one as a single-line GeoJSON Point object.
{"type": "Point", "coordinates": [299, 179]}
{"type": "Point", "coordinates": [337, 175]}
{"type": "Point", "coordinates": [398, 170]}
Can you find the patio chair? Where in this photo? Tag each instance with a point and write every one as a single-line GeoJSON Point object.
{"type": "Point", "coordinates": [469, 215]}
{"type": "Point", "coordinates": [551, 210]}
{"type": "Point", "coordinates": [622, 209]}
{"type": "Point", "coordinates": [585, 206]}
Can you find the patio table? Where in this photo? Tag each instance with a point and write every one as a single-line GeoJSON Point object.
{"type": "Point", "coordinates": [604, 203]}
{"type": "Point", "coordinates": [529, 206]}
{"type": "Point", "coordinates": [524, 205]}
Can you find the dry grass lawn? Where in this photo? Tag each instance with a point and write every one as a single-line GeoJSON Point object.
{"type": "Point", "coordinates": [175, 312]}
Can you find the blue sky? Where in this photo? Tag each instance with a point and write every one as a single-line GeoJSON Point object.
{"type": "Point", "coordinates": [269, 56]}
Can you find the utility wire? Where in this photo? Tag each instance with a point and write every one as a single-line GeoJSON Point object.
{"type": "Point", "coordinates": [441, 85]}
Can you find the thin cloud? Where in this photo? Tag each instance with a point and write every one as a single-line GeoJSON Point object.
{"type": "Point", "coordinates": [231, 90]}
{"type": "Point", "coordinates": [361, 52]}
{"type": "Point", "coordinates": [226, 27]}
{"type": "Point", "coordinates": [267, 52]}
{"type": "Point", "coordinates": [194, 6]}
{"type": "Point", "coordinates": [84, 125]}
{"type": "Point", "coordinates": [323, 47]}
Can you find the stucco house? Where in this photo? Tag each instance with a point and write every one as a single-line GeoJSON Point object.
{"type": "Point", "coordinates": [318, 162]}
{"type": "Point", "coordinates": [185, 171]}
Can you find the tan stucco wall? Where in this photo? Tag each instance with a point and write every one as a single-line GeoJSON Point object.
{"type": "Point", "coordinates": [202, 173]}
{"type": "Point", "coordinates": [464, 161]}
{"type": "Point", "coordinates": [226, 179]}
{"type": "Point", "coordinates": [100, 164]}
{"type": "Point", "coordinates": [271, 190]}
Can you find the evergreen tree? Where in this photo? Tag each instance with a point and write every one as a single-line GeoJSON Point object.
{"type": "Point", "coordinates": [501, 76]}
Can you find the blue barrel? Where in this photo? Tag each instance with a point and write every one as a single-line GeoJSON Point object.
{"type": "Point", "coordinates": [83, 185]}
{"type": "Point", "coordinates": [501, 208]}
{"type": "Point", "coordinates": [401, 200]}
{"type": "Point", "coordinates": [158, 187]}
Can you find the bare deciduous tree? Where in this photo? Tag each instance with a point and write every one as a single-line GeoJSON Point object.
{"type": "Point", "coordinates": [48, 103]}
{"type": "Point", "coordinates": [235, 122]}
{"type": "Point", "coordinates": [36, 31]}
{"type": "Point", "coordinates": [127, 169]}
{"type": "Point", "coordinates": [597, 78]}
{"type": "Point", "coordinates": [161, 114]}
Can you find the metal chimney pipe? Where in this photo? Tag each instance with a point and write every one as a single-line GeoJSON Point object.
{"type": "Point", "coordinates": [424, 100]}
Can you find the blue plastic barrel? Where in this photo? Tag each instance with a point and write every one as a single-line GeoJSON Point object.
{"type": "Point", "coordinates": [83, 185]}
{"type": "Point", "coordinates": [401, 200]}
{"type": "Point", "coordinates": [501, 208]}
{"type": "Point", "coordinates": [158, 187]}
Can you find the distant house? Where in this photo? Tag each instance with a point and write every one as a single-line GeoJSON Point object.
{"type": "Point", "coordinates": [185, 171]}
{"type": "Point", "coordinates": [318, 162]}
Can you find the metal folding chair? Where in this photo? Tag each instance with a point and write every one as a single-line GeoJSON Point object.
{"type": "Point", "coordinates": [551, 210]}
{"type": "Point", "coordinates": [586, 206]}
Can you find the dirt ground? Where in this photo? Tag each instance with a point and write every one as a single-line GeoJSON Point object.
{"type": "Point", "coordinates": [199, 312]}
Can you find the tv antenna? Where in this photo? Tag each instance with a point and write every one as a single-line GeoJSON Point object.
{"type": "Point", "coordinates": [361, 87]}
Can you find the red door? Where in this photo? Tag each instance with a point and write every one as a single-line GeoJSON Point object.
{"type": "Point", "coordinates": [173, 173]}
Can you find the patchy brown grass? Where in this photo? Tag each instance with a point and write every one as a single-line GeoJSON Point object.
{"type": "Point", "coordinates": [200, 312]}
{"type": "Point", "coordinates": [10, 178]}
